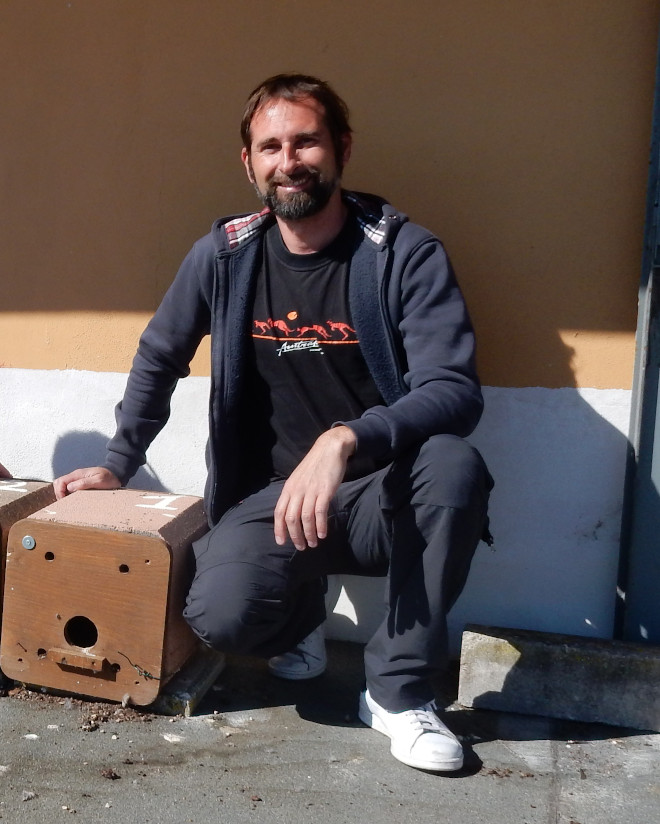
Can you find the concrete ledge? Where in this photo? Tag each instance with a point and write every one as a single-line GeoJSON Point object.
{"type": "Point", "coordinates": [183, 693]}
{"type": "Point", "coordinates": [561, 676]}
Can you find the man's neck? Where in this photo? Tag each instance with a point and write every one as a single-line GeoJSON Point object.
{"type": "Point", "coordinates": [312, 234]}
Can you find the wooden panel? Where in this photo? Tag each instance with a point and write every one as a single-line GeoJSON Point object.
{"type": "Point", "coordinates": [18, 499]}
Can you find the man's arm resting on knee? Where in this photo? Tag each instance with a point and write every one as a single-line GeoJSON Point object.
{"type": "Point", "coordinates": [302, 509]}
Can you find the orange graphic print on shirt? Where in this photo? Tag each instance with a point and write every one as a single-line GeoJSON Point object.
{"type": "Point", "coordinates": [330, 332]}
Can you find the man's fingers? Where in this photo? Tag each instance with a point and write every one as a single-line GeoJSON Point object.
{"type": "Point", "coordinates": [94, 477]}
{"type": "Point", "coordinates": [303, 520]}
{"type": "Point", "coordinates": [321, 517]}
{"type": "Point", "coordinates": [308, 523]}
{"type": "Point", "coordinates": [60, 488]}
{"type": "Point", "coordinates": [291, 522]}
{"type": "Point", "coordinates": [295, 519]}
{"type": "Point", "coordinates": [315, 520]}
{"type": "Point", "coordinates": [296, 530]}
{"type": "Point", "coordinates": [280, 525]}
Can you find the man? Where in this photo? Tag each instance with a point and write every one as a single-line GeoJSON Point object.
{"type": "Point", "coordinates": [343, 383]}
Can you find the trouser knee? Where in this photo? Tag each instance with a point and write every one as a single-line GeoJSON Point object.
{"type": "Point", "coordinates": [233, 609]}
{"type": "Point", "coordinates": [445, 471]}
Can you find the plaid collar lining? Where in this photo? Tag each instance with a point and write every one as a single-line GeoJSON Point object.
{"type": "Point", "coordinates": [242, 229]}
{"type": "Point", "coordinates": [372, 225]}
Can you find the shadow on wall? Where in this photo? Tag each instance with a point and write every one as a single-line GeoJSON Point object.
{"type": "Point", "coordinates": [355, 606]}
{"type": "Point", "coordinates": [77, 449]}
{"type": "Point", "coordinates": [558, 457]}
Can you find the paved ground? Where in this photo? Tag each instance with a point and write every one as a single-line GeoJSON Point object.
{"type": "Point", "coordinates": [261, 750]}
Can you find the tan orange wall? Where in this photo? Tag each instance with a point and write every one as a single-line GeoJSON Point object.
{"type": "Point", "coordinates": [518, 131]}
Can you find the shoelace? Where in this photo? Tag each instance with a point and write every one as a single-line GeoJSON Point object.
{"type": "Point", "coordinates": [425, 719]}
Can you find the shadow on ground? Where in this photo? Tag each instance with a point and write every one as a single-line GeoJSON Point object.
{"type": "Point", "coordinates": [332, 700]}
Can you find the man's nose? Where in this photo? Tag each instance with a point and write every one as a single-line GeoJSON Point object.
{"type": "Point", "coordinates": [289, 159]}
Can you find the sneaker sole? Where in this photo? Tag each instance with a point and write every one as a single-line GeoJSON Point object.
{"type": "Point", "coordinates": [289, 675]}
{"type": "Point", "coordinates": [367, 717]}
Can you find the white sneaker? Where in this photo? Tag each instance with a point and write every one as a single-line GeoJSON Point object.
{"type": "Point", "coordinates": [419, 738]}
{"type": "Point", "coordinates": [307, 660]}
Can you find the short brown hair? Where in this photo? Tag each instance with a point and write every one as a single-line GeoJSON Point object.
{"type": "Point", "coordinates": [296, 87]}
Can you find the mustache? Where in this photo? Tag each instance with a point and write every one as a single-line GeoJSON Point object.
{"type": "Point", "coordinates": [291, 180]}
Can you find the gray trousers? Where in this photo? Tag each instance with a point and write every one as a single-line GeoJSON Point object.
{"type": "Point", "coordinates": [417, 521]}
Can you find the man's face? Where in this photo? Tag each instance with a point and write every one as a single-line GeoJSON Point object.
{"type": "Point", "coordinates": [292, 161]}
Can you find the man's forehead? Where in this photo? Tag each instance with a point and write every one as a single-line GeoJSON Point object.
{"type": "Point", "coordinates": [279, 107]}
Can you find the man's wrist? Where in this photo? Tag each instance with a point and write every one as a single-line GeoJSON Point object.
{"type": "Point", "coordinates": [346, 438]}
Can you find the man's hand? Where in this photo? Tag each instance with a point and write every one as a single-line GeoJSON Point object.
{"type": "Point", "coordinates": [302, 509]}
{"type": "Point", "coordinates": [4, 473]}
{"type": "Point", "coordinates": [94, 477]}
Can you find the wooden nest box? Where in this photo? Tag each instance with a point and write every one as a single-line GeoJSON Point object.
{"type": "Point", "coordinates": [95, 587]}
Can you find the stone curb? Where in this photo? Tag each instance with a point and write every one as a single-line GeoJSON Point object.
{"type": "Point", "coordinates": [560, 676]}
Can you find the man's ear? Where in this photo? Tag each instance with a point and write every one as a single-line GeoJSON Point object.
{"type": "Point", "coordinates": [245, 157]}
{"type": "Point", "coordinates": [347, 145]}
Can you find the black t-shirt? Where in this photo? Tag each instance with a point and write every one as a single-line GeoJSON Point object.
{"type": "Point", "coordinates": [305, 366]}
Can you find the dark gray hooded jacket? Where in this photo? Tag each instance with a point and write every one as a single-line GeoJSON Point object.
{"type": "Point", "coordinates": [407, 309]}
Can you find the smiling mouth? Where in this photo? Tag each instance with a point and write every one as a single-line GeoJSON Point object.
{"type": "Point", "coordinates": [293, 184]}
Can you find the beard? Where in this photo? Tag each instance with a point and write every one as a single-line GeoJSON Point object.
{"type": "Point", "coordinates": [298, 205]}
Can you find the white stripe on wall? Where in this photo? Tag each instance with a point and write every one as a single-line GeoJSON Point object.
{"type": "Point", "coordinates": [557, 455]}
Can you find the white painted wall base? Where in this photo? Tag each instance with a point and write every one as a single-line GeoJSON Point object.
{"type": "Point", "coordinates": [558, 457]}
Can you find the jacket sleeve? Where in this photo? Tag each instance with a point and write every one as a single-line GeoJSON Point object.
{"type": "Point", "coordinates": [431, 341]}
{"type": "Point", "coordinates": [165, 350]}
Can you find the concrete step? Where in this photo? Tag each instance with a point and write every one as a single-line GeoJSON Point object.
{"type": "Point", "coordinates": [560, 676]}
